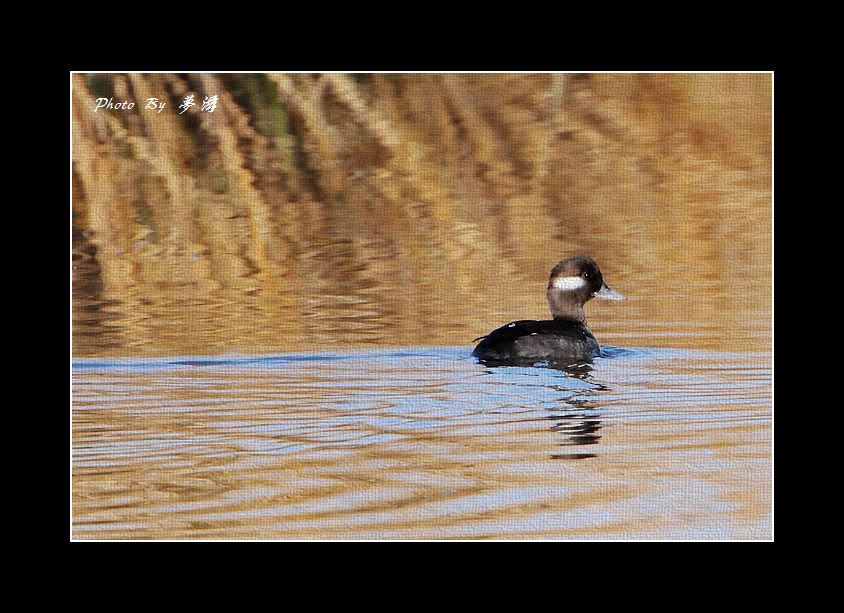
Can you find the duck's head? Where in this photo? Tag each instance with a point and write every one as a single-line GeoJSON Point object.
{"type": "Point", "coordinates": [573, 283]}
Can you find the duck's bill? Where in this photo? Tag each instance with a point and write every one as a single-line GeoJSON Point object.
{"type": "Point", "coordinates": [608, 293]}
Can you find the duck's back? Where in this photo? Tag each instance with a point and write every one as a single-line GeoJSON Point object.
{"type": "Point", "coordinates": [553, 340]}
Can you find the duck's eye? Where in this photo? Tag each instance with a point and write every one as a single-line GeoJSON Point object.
{"type": "Point", "coordinates": [586, 275]}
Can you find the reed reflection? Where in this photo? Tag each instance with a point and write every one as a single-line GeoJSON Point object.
{"type": "Point", "coordinates": [333, 211]}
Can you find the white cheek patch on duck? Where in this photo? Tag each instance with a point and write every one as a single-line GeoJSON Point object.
{"type": "Point", "coordinates": [569, 284]}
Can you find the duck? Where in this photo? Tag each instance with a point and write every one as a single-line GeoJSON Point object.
{"type": "Point", "coordinates": [566, 338]}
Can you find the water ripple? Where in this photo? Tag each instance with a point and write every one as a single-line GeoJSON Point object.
{"type": "Point", "coordinates": [422, 443]}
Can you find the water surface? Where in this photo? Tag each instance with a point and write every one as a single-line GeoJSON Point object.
{"type": "Point", "coordinates": [325, 248]}
{"type": "Point", "coordinates": [423, 443]}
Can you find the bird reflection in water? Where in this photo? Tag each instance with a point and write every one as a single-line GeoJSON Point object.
{"type": "Point", "coordinates": [576, 416]}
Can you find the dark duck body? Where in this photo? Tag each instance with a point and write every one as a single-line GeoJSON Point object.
{"type": "Point", "coordinates": [566, 338]}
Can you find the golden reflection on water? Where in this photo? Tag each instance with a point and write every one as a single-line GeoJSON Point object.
{"type": "Point", "coordinates": [490, 180]}
{"type": "Point", "coordinates": [680, 300]}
